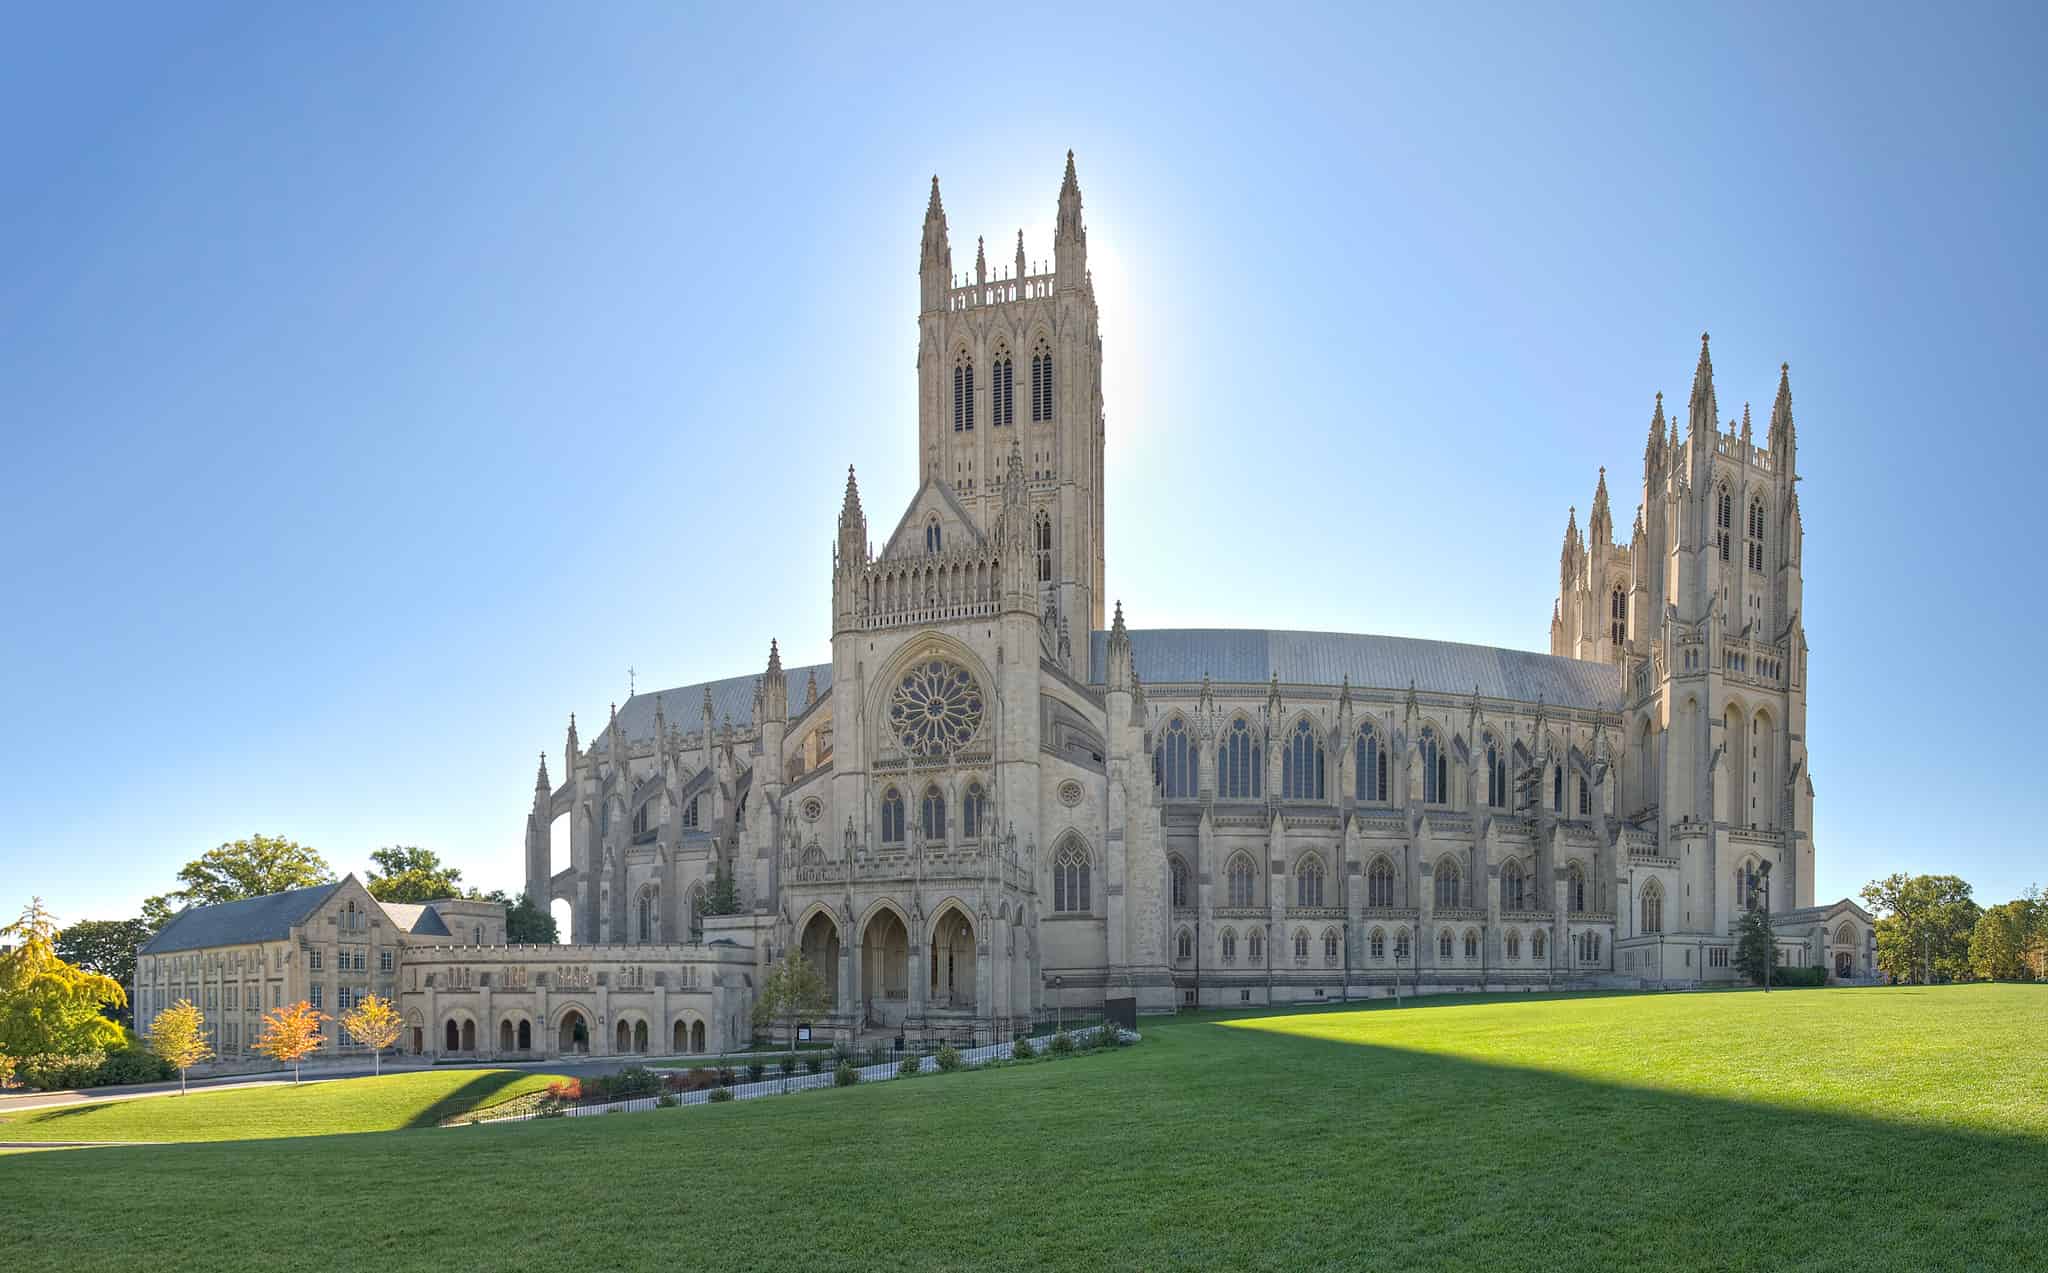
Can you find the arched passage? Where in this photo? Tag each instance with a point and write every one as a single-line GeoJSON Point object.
{"type": "Point", "coordinates": [469, 1036]}
{"type": "Point", "coordinates": [952, 962]}
{"type": "Point", "coordinates": [821, 951]}
{"type": "Point", "coordinates": [505, 1036]}
{"type": "Point", "coordinates": [574, 1034]}
{"type": "Point", "coordinates": [453, 1038]}
{"type": "Point", "coordinates": [525, 1035]}
{"type": "Point", "coordinates": [885, 965]}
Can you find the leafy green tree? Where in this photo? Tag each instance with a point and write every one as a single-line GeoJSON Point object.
{"type": "Point", "coordinates": [1755, 945]}
{"type": "Point", "coordinates": [1923, 920]}
{"type": "Point", "coordinates": [250, 868]}
{"type": "Point", "coordinates": [792, 991]}
{"type": "Point", "coordinates": [2004, 939]}
{"type": "Point", "coordinates": [104, 946]}
{"type": "Point", "coordinates": [49, 1008]}
{"type": "Point", "coordinates": [406, 873]}
{"type": "Point", "coordinates": [157, 911]}
{"type": "Point", "coordinates": [528, 923]}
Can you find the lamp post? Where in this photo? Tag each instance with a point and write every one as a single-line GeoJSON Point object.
{"type": "Point", "coordinates": [1400, 957]}
{"type": "Point", "coordinates": [1056, 1006]}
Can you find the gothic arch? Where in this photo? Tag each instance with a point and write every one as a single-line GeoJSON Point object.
{"type": "Point", "coordinates": [874, 911]}
{"type": "Point", "coordinates": [815, 909]}
{"type": "Point", "coordinates": [952, 902]}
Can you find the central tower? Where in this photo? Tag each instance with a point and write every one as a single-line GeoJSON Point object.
{"type": "Point", "coordinates": [1014, 354]}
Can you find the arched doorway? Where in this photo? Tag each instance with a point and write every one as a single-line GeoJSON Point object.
{"type": "Point", "coordinates": [623, 1038]}
{"type": "Point", "coordinates": [952, 963]}
{"type": "Point", "coordinates": [454, 1037]}
{"type": "Point", "coordinates": [575, 1034]}
{"type": "Point", "coordinates": [526, 1036]}
{"type": "Point", "coordinates": [504, 1036]}
{"type": "Point", "coordinates": [696, 1036]}
{"type": "Point", "coordinates": [821, 951]}
{"type": "Point", "coordinates": [469, 1036]}
{"type": "Point", "coordinates": [680, 1037]}
{"type": "Point", "coordinates": [885, 967]}
{"type": "Point", "coordinates": [1844, 964]}
{"type": "Point", "coordinates": [639, 1036]}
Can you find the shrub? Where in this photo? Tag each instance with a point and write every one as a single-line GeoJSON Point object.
{"type": "Point", "coordinates": [133, 1065]}
{"type": "Point", "coordinates": [787, 1065]}
{"type": "Point", "coordinates": [720, 1094]}
{"type": "Point", "coordinates": [6, 1069]}
{"type": "Point", "coordinates": [1109, 1036]}
{"type": "Point", "coordinates": [911, 1067]}
{"type": "Point", "coordinates": [845, 1075]}
{"type": "Point", "coordinates": [634, 1080]}
{"type": "Point", "coordinates": [1795, 978]}
{"type": "Point", "coordinates": [726, 1077]}
{"type": "Point", "coordinates": [1063, 1042]}
{"type": "Point", "coordinates": [813, 1063]}
{"type": "Point", "coordinates": [664, 1101]}
{"type": "Point", "coordinates": [755, 1070]}
{"type": "Point", "coordinates": [561, 1094]}
{"type": "Point", "coordinates": [1023, 1051]}
{"type": "Point", "coordinates": [949, 1058]}
{"type": "Point", "coordinates": [52, 1073]}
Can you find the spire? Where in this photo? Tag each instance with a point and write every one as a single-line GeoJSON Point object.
{"type": "Point", "coordinates": [1070, 237]}
{"type": "Point", "coordinates": [1020, 252]}
{"type": "Point", "coordinates": [1600, 527]}
{"type": "Point", "coordinates": [540, 780]}
{"type": "Point", "coordinates": [1653, 450]}
{"type": "Point", "coordinates": [1013, 475]}
{"type": "Point", "coordinates": [1783, 442]}
{"type": "Point", "coordinates": [935, 257]}
{"type": "Point", "coordinates": [573, 748]}
{"type": "Point", "coordinates": [980, 260]}
{"type": "Point", "coordinates": [1704, 415]}
{"type": "Point", "coordinates": [849, 510]}
{"type": "Point", "coordinates": [1116, 627]}
{"type": "Point", "coordinates": [774, 659]}
{"type": "Point", "coordinates": [811, 690]}
{"type": "Point", "coordinates": [1745, 424]}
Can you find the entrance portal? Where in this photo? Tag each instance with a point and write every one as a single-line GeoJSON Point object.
{"type": "Point", "coordinates": [885, 968]}
{"type": "Point", "coordinates": [575, 1037]}
{"type": "Point", "coordinates": [952, 975]}
{"type": "Point", "coordinates": [821, 951]}
{"type": "Point", "coordinates": [1842, 964]}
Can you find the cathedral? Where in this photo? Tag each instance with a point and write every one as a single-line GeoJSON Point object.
{"type": "Point", "coordinates": [999, 798]}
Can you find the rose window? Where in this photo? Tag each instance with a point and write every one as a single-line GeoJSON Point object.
{"type": "Point", "coordinates": [937, 709]}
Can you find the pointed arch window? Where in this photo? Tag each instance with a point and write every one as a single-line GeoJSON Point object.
{"type": "Point", "coordinates": [1471, 943]}
{"type": "Point", "coordinates": [1243, 881]}
{"type": "Point", "coordinates": [1184, 946]}
{"type": "Point", "coordinates": [1379, 883]}
{"type": "Point", "coordinates": [1238, 763]}
{"type": "Point", "coordinates": [1256, 943]}
{"type": "Point", "coordinates": [1617, 616]}
{"type": "Point", "coordinates": [963, 393]}
{"type": "Point", "coordinates": [933, 818]}
{"type": "Point", "coordinates": [1173, 761]}
{"type": "Point", "coordinates": [1557, 789]}
{"type": "Point", "coordinates": [933, 539]}
{"type": "Point", "coordinates": [1177, 872]}
{"type": "Point", "coordinates": [1041, 383]}
{"type": "Point", "coordinates": [1443, 945]}
{"type": "Point", "coordinates": [1308, 881]}
{"type": "Point", "coordinates": [1229, 945]}
{"type": "Point", "coordinates": [1653, 908]}
{"type": "Point", "coordinates": [1002, 401]}
{"type": "Point", "coordinates": [1372, 765]}
{"type": "Point", "coordinates": [1450, 885]}
{"type": "Point", "coordinates": [1496, 776]}
{"type": "Point", "coordinates": [971, 810]}
{"type": "Point", "coordinates": [646, 916]}
{"type": "Point", "coordinates": [1301, 765]}
{"type": "Point", "coordinates": [1379, 945]}
{"type": "Point", "coordinates": [1436, 769]}
{"type": "Point", "coordinates": [1756, 534]}
{"type": "Point", "coordinates": [1514, 944]}
{"type": "Point", "coordinates": [1301, 945]}
{"type": "Point", "coordinates": [1585, 796]}
{"type": "Point", "coordinates": [1041, 543]}
{"type": "Point", "coordinates": [1537, 944]}
{"type": "Point", "coordinates": [690, 812]}
{"type": "Point", "coordinates": [1575, 888]}
{"type": "Point", "coordinates": [1724, 517]}
{"type": "Point", "coordinates": [892, 816]}
{"type": "Point", "coordinates": [1330, 946]}
{"type": "Point", "coordinates": [1070, 879]}
{"type": "Point", "coordinates": [1514, 886]}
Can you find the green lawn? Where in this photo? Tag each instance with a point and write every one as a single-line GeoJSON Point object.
{"type": "Point", "coordinates": [413, 1099]}
{"type": "Point", "coordinates": [1822, 1129]}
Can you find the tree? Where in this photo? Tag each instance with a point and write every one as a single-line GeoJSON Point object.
{"type": "Point", "coordinates": [250, 868]}
{"type": "Point", "coordinates": [406, 873]}
{"type": "Point", "coordinates": [49, 1008]}
{"type": "Point", "coordinates": [529, 923]}
{"type": "Point", "coordinates": [178, 1035]}
{"type": "Point", "coordinates": [1923, 920]}
{"type": "Point", "coordinates": [291, 1034]}
{"type": "Point", "coordinates": [157, 911]}
{"type": "Point", "coordinates": [375, 1022]}
{"type": "Point", "coordinates": [792, 991]}
{"type": "Point", "coordinates": [723, 897]}
{"type": "Point", "coordinates": [1756, 945]}
{"type": "Point", "coordinates": [104, 946]}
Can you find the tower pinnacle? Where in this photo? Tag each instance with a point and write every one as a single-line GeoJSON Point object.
{"type": "Point", "coordinates": [1704, 415]}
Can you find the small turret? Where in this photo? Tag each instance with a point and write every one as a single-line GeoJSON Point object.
{"type": "Point", "coordinates": [935, 264]}
{"type": "Point", "coordinates": [1600, 527]}
{"type": "Point", "coordinates": [570, 751]}
{"type": "Point", "coordinates": [1653, 450]}
{"type": "Point", "coordinates": [1070, 237]}
{"type": "Point", "coordinates": [1784, 443]}
{"type": "Point", "coordinates": [541, 786]}
{"type": "Point", "coordinates": [980, 261]}
{"type": "Point", "coordinates": [1746, 434]}
{"type": "Point", "coordinates": [1020, 253]}
{"type": "Point", "coordinates": [775, 687]}
{"type": "Point", "coordinates": [1704, 416]}
{"type": "Point", "coordinates": [1117, 675]}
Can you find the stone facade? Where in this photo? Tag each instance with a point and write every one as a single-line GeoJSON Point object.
{"type": "Point", "coordinates": [991, 798]}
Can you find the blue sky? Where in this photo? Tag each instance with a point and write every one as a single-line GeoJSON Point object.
{"type": "Point", "coordinates": [378, 388]}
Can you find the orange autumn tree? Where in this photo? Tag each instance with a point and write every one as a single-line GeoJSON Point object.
{"type": "Point", "coordinates": [373, 1022]}
{"type": "Point", "coordinates": [178, 1035]}
{"type": "Point", "coordinates": [291, 1033]}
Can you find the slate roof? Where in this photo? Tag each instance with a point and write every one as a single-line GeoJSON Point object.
{"type": "Point", "coordinates": [733, 696]}
{"type": "Point", "coordinates": [417, 918]}
{"type": "Point", "coordinates": [254, 919]}
{"type": "Point", "coordinates": [1253, 655]}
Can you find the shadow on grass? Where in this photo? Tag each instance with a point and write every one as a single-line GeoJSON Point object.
{"type": "Point", "coordinates": [473, 1095]}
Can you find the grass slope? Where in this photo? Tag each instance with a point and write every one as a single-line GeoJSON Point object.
{"type": "Point", "coordinates": [387, 1103]}
{"type": "Point", "coordinates": [1850, 1129]}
